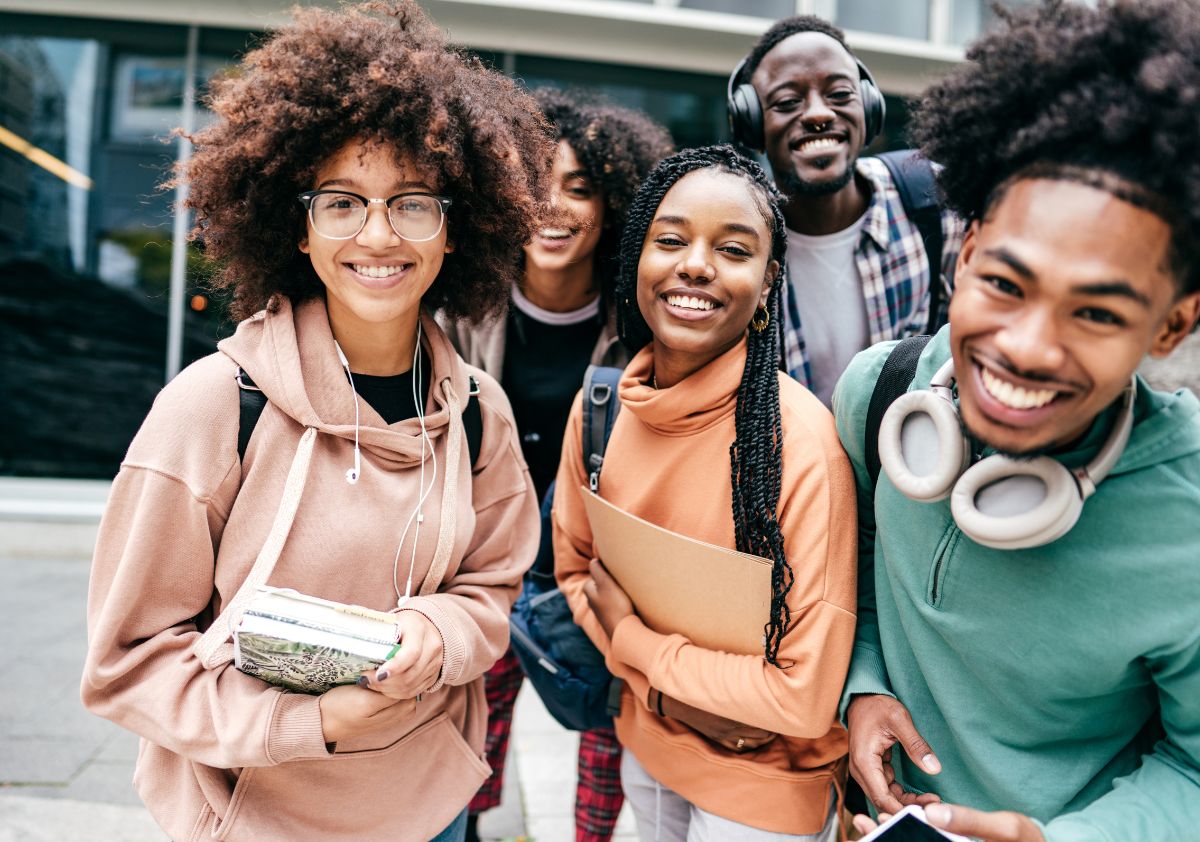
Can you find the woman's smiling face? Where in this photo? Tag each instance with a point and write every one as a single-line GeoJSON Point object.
{"type": "Point", "coordinates": [375, 277]}
{"type": "Point", "coordinates": [577, 205]}
{"type": "Point", "coordinates": [705, 266]}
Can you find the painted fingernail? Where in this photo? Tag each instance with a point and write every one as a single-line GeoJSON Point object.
{"type": "Point", "coordinates": [938, 814]}
{"type": "Point", "coordinates": [381, 675]}
{"type": "Point", "coordinates": [931, 764]}
{"type": "Point", "coordinates": [363, 681]}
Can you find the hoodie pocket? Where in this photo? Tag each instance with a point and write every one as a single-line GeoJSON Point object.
{"type": "Point", "coordinates": [407, 790]}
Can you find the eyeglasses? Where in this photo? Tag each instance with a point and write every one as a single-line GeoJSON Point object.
{"type": "Point", "coordinates": [339, 215]}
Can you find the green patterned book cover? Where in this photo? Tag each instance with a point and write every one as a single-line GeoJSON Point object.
{"type": "Point", "coordinates": [309, 645]}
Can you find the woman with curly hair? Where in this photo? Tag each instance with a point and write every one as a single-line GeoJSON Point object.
{"type": "Point", "coordinates": [719, 746]}
{"type": "Point", "coordinates": [559, 321]}
{"type": "Point", "coordinates": [361, 174]}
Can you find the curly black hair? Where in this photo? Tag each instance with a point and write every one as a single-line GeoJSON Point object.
{"type": "Point", "coordinates": [786, 28]}
{"type": "Point", "coordinates": [376, 72]}
{"type": "Point", "coordinates": [756, 455]}
{"type": "Point", "coordinates": [1108, 96]}
{"type": "Point", "coordinates": [617, 147]}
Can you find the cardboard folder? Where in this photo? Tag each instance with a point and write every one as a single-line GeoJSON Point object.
{"type": "Point", "coordinates": [715, 597]}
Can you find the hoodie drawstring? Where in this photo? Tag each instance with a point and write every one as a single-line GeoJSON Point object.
{"type": "Point", "coordinates": [213, 648]}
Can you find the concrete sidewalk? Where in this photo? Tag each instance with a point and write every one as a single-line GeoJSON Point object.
{"type": "Point", "coordinates": [65, 774]}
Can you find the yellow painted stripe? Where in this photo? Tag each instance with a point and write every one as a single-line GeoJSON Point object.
{"type": "Point", "coordinates": [44, 159]}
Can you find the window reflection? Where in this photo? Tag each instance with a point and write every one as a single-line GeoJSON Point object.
{"type": "Point", "coordinates": [902, 18]}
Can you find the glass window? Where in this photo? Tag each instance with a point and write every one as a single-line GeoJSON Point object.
{"type": "Point", "coordinates": [86, 108]}
{"type": "Point", "coordinates": [970, 18]}
{"type": "Point", "coordinates": [690, 105]}
{"type": "Point", "coordinates": [771, 9]}
{"type": "Point", "coordinates": [902, 18]}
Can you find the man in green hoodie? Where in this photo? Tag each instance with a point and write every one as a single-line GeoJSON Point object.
{"type": "Point", "coordinates": [1049, 689]}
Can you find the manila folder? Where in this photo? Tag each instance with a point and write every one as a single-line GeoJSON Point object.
{"type": "Point", "coordinates": [715, 597]}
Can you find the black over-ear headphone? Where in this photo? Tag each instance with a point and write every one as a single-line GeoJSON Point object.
{"type": "Point", "coordinates": [746, 112]}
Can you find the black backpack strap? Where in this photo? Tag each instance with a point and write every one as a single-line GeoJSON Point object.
{"type": "Point", "coordinates": [894, 379]}
{"type": "Point", "coordinates": [473, 422]}
{"type": "Point", "coordinates": [913, 176]}
{"type": "Point", "coordinates": [600, 403]}
{"type": "Point", "coordinates": [251, 401]}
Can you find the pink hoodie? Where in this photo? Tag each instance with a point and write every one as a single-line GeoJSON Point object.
{"type": "Point", "coordinates": [224, 755]}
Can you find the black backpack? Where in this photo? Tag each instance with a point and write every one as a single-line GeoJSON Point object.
{"type": "Point", "coordinates": [913, 176]}
{"type": "Point", "coordinates": [562, 664]}
{"type": "Point", "coordinates": [251, 401]}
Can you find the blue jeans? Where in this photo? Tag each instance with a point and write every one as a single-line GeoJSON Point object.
{"type": "Point", "coordinates": [456, 832]}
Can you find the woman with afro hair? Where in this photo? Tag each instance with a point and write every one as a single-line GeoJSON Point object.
{"type": "Point", "coordinates": [714, 442]}
{"type": "Point", "coordinates": [560, 320]}
{"type": "Point", "coordinates": [361, 175]}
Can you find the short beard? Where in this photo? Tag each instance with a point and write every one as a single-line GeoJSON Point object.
{"type": "Point", "coordinates": [792, 185]}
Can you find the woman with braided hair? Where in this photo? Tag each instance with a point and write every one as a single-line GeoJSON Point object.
{"type": "Point", "coordinates": [719, 745]}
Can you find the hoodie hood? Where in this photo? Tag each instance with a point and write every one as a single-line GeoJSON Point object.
{"type": "Point", "coordinates": [290, 355]}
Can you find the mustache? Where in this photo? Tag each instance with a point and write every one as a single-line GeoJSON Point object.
{"type": "Point", "coordinates": [1032, 376]}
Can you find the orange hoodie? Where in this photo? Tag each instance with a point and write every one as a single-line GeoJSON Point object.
{"type": "Point", "coordinates": [668, 462]}
{"type": "Point", "coordinates": [224, 755]}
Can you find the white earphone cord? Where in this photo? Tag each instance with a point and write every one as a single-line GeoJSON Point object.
{"type": "Point", "coordinates": [423, 491]}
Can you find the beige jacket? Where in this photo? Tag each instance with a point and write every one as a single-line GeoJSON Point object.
{"type": "Point", "coordinates": [224, 755]}
{"type": "Point", "coordinates": [482, 345]}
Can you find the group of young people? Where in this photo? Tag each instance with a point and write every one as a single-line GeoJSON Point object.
{"type": "Point", "coordinates": [983, 562]}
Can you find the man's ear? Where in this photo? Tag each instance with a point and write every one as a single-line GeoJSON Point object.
{"type": "Point", "coordinates": [304, 244]}
{"type": "Point", "coordinates": [968, 248]}
{"type": "Point", "coordinates": [1181, 318]}
{"type": "Point", "coordinates": [449, 246]}
{"type": "Point", "coordinates": [769, 280]}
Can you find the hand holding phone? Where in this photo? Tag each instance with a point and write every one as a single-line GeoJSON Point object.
{"type": "Point", "coordinates": [909, 825]}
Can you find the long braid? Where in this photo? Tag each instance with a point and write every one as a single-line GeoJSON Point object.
{"type": "Point", "coordinates": [756, 455]}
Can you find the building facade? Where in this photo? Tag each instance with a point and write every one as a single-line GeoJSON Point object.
{"type": "Point", "coordinates": [101, 298]}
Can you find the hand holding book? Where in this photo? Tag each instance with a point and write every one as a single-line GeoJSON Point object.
{"type": "Point", "coordinates": [605, 597]}
{"type": "Point", "coordinates": [416, 667]}
{"type": "Point", "coordinates": [311, 645]}
{"type": "Point", "coordinates": [349, 711]}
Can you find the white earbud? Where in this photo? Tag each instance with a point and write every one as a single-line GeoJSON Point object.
{"type": "Point", "coordinates": [352, 474]}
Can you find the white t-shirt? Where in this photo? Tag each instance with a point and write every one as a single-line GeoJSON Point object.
{"type": "Point", "coordinates": [823, 279]}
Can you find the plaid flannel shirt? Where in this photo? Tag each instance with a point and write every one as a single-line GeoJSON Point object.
{"type": "Point", "coordinates": [892, 268]}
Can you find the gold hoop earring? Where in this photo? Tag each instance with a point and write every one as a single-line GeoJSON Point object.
{"type": "Point", "coordinates": [760, 322]}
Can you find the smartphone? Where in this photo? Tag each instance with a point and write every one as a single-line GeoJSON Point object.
{"type": "Point", "coordinates": [909, 825]}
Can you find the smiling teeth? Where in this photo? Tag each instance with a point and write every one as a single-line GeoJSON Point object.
{"type": "Point", "coordinates": [377, 271]}
{"type": "Point", "coordinates": [1014, 397]}
{"type": "Point", "coordinates": [555, 233]}
{"type": "Point", "coordinates": [819, 143]}
{"type": "Point", "coordinates": [689, 302]}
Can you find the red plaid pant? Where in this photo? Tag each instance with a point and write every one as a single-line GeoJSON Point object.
{"type": "Point", "coordinates": [598, 796]}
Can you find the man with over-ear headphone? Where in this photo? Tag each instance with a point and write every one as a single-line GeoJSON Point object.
{"type": "Point", "coordinates": [867, 243]}
{"type": "Point", "coordinates": [1027, 657]}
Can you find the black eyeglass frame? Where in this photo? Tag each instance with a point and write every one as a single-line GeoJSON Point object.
{"type": "Point", "coordinates": [306, 198]}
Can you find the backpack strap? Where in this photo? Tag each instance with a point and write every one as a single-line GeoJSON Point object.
{"type": "Point", "coordinates": [473, 421]}
{"type": "Point", "coordinates": [894, 379]}
{"type": "Point", "coordinates": [913, 176]}
{"type": "Point", "coordinates": [600, 404]}
{"type": "Point", "coordinates": [251, 401]}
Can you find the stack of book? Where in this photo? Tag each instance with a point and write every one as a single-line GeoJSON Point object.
{"type": "Point", "coordinates": [308, 644]}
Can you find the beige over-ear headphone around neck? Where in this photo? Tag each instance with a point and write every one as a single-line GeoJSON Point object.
{"type": "Point", "coordinates": [1000, 501]}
